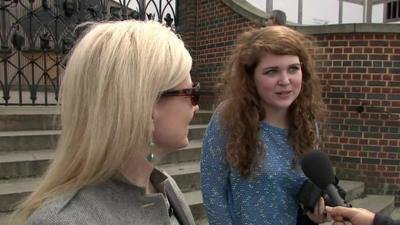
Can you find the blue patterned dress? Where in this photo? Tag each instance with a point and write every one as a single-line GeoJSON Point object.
{"type": "Point", "coordinates": [269, 197]}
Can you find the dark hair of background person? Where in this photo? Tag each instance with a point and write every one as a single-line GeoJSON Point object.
{"type": "Point", "coordinates": [278, 17]}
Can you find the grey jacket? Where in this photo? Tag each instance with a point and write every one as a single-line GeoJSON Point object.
{"type": "Point", "coordinates": [116, 202]}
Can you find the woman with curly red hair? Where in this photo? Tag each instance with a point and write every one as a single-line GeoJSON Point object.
{"type": "Point", "coordinates": [266, 121]}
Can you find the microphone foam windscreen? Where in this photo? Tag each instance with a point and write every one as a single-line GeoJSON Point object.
{"type": "Point", "coordinates": [317, 167]}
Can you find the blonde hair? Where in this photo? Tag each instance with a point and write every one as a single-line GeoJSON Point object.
{"type": "Point", "coordinates": [112, 81]}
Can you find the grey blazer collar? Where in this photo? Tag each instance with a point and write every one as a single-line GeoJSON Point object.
{"type": "Point", "coordinates": [165, 184]}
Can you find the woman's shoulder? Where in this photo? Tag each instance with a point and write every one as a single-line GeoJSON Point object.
{"type": "Point", "coordinates": [218, 112]}
{"type": "Point", "coordinates": [221, 107]}
{"type": "Point", "coordinates": [83, 206]}
{"type": "Point", "coordinates": [77, 206]}
{"type": "Point", "coordinates": [51, 210]}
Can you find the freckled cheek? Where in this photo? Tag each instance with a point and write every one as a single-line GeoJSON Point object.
{"type": "Point", "coordinates": [298, 87]}
{"type": "Point", "coordinates": [265, 93]}
{"type": "Point", "coordinates": [264, 85]}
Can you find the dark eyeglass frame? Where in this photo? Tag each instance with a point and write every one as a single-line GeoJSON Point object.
{"type": "Point", "coordinates": [193, 93]}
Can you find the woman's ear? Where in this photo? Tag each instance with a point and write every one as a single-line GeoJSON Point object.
{"type": "Point", "coordinates": [156, 113]}
{"type": "Point", "coordinates": [155, 116]}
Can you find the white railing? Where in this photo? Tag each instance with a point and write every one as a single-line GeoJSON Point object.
{"type": "Point", "coordinates": [310, 12]}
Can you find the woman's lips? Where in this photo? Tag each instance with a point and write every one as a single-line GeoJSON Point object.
{"type": "Point", "coordinates": [283, 92]}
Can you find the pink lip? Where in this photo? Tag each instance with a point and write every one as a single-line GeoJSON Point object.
{"type": "Point", "coordinates": [283, 92]}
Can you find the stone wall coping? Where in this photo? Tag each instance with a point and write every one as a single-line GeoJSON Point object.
{"type": "Point", "coordinates": [349, 28]}
{"type": "Point", "coordinates": [252, 13]}
{"type": "Point", "coordinates": [247, 10]}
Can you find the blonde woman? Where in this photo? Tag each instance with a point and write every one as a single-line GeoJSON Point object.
{"type": "Point", "coordinates": [127, 100]}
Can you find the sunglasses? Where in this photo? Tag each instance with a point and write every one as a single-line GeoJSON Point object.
{"type": "Point", "coordinates": [193, 93]}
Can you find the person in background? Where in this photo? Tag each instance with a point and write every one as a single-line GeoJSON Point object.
{"type": "Point", "coordinates": [271, 103]}
{"type": "Point", "coordinates": [127, 100]}
{"type": "Point", "coordinates": [277, 17]}
{"type": "Point", "coordinates": [358, 216]}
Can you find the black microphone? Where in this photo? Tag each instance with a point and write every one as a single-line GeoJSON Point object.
{"type": "Point", "coordinates": [317, 167]}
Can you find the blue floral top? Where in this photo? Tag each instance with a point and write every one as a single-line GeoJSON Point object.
{"type": "Point", "coordinates": [268, 197]}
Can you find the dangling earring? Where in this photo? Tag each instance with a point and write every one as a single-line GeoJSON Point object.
{"type": "Point", "coordinates": [151, 156]}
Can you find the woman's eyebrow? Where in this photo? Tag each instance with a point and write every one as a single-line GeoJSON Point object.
{"type": "Point", "coordinates": [270, 67]}
{"type": "Point", "coordinates": [277, 67]}
{"type": "Point", "coordinates": [295, 64]}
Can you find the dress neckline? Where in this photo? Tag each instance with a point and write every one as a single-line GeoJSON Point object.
{"type": "Point", "coordinates": [274, 129]}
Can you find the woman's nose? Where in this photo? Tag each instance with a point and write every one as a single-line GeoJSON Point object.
{"type": "Point", "coordinates": [284, 79]}
{"type": "Point", "coordinates": [196, 108]}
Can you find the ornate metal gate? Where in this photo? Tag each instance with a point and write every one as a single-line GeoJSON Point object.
{"type": "Point", "coordinates": [36, 35]}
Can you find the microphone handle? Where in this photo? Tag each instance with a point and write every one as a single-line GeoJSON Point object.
{"type": "Point", "coordinates": [334, 196]}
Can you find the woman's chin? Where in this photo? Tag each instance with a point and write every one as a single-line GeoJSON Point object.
{"type": "Point", "coordinates": [184, 143]}
{"type": "Point", "coordinates": [173, 148]}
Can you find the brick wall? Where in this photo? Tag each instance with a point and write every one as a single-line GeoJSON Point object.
{"type": "Point", "coordinates": [209, 37]}
{"type": "Point", "coordinates": [186, 24]}
{"type": "Point", "coordinates": [359, 65]}
{"type": "Point", "coordinates": [361, 77]}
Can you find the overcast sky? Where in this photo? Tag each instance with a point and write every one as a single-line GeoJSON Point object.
{"type": "Point", "coordinates": [322, 11]}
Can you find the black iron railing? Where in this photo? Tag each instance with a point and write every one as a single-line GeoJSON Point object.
{"type": "Point", "coordinates": [35, 35]}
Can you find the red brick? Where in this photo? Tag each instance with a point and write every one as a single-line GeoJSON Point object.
{"type": "Point", "coordinates": [373, 142]}
{"type": "Point", "coordinates": [362, 166]}
{"type": "Point", "coordinates": [383, 142]}
{"type": "Point", "coordinates": [342, 153]}
{"type": "Point", "coordinates": [388, 50]}
{"type": "Point", "coordinates": [353, 153]}
{"type": "Point", "coordinates": [372, 154]}
{"type": "Point", "coordinates": [389, 36]}
{"type": "Point", "coordinates": [381, 167]}
{"type": "Point", "coordinates": [358, 50]}
{"type": "Point", "coordinates": [382, 155]}
{"type": "Point", "coordinates": [371, 167]}
{"type": "Point", "coordinates": [368, 50]}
